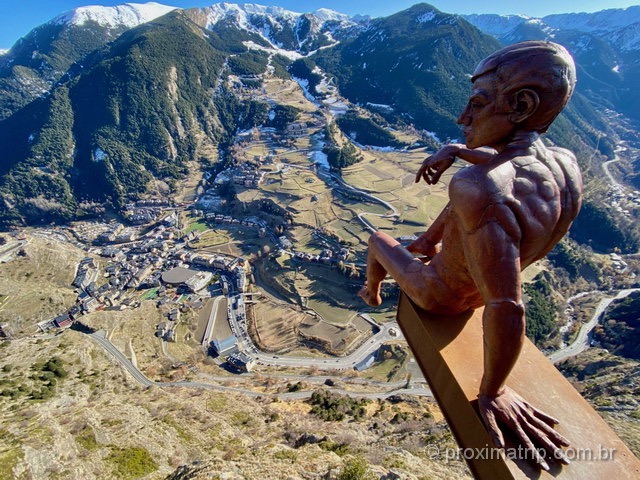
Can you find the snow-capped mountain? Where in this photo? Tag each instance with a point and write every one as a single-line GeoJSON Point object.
{"type": "Point", "coordinates": [281, 28]}
{"type": "Point", "coordinates": [128, 15]}
{"type": "Point", "coordinates": [494, 24]}
{"type": "Point", "coordinates": [619, 27]}
{"type": "Point", "coordinates": [79, 84]}
{"type": "Point", "coordinates": [605, 46]}
{"type": "Point", "coordinates": [604, 21]}
{"type": "Point", "coordinates": [39, 59]}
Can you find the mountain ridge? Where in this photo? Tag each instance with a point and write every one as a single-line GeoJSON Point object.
{"type": "Point", "coordinates": [415, 63]}
{"type": "Point", "coordinates": [128, 14]}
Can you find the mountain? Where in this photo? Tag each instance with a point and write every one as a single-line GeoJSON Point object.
{"type": "Point", "coordinates": [605, 45]}
{"type": "Point", "coordinates": [33, 65]}
{"type": "Point", "coordinates": [281, 29]}
{"type": "Point", "coordinates": [100, 102]}
{"type": "Point", "coordinates": [139, 107]}
{"type": "Point", "coordinates": [417, 61]}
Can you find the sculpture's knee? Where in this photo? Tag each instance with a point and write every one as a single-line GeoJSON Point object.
{"type": "Point", "coordinates": [509, 314]}
{"type": "Point", "coordinates": [507, 307]}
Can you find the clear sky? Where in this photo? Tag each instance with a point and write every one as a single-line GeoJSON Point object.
{"type": "Point", "coordinates": [18, 17]}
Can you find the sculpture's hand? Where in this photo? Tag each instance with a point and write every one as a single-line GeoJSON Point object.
{"type": "Point", "coordinates": [423, 246]}
{"type": "Point", "coordinates": [435, 165]}
{"type": "Point", "coordinates": [526, 422]}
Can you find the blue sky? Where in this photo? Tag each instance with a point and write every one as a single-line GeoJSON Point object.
{"type": "Point", "coordinates": [18, 17]}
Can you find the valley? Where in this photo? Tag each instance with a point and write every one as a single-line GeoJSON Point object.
{"type": "Point", "coordinates": [289, 318]}
{"type": "Point", "coordinates": [184, 222]}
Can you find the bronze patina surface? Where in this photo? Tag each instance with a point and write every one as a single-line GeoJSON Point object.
{"type": "Point", "coordinates": [507, 209]}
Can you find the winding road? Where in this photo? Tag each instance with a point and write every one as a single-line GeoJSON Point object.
{"type": "Point", "coordinates": [605, 167]}
{"type": "Point", "coordinates": [394, 389]}
{"type": "Point", "coordinates": [582, 340]}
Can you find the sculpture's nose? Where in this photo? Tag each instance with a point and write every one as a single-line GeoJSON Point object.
{"type": "Point", "coordinates": [464, 118]}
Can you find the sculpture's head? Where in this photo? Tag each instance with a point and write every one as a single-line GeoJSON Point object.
{"type": "Point", "coordinates": [534, 80]}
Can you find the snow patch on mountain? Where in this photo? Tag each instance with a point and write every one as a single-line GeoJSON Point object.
{"type": "Point", "coordinates": [627, 38]}
{"type": "Point", "coordinates": [241, 14]}
{"type": "Point", "coordinates": [285, 53]}
{"type": "Point", "coordinates": [327, 15]}
{"type": "Point", "coordinates": [496, 25]}
{"type": "Point", "coordinates": [273, 23]}
{"type": "Point", "coordinates": [426, 17]}
{"type": "Point", "coordinates": [127, 15]}
{"type": "Point", "coordinates": [604, 21]}
{"type": "Point", "coordinates": [619, 27]}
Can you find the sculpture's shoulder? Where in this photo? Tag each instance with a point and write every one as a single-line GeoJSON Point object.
{"type": "Point", "coordinates": [568, 178]}
{"type": "Point", "coordinates": [568, 163]}
{"type": "Point", "coordinates": [477, 188]}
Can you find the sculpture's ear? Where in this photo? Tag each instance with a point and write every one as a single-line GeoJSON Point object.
{"type": "Point", "coordinates": [524, 103]}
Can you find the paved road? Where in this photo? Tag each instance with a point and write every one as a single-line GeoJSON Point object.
{"type": "Point", "coordinates": [605, 167]}
{"type": "Point", "coordinates": [123, 361]}
{"type": "Point", "coordinates": [583, 339]}
{"type": "Point", "coordinates": [119, 357]}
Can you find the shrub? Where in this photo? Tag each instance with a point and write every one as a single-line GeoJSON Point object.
{"type": "Point", "coordinates": [132, 462]}
{"type": "Point", "coordinates": [332, 407]}
{"type": "Point", "coordinates": [355, 468]}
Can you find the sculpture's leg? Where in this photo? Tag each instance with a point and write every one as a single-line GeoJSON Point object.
{"type": "Point", "coordinates": [376, 273]}
{"type": "Point", "coordinates": [386, 255]}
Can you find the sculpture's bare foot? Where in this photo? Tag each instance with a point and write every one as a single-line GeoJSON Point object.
{"type": "Point", "coordinates": [370, 297]}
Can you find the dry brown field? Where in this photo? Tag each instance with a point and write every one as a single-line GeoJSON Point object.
{"type": "Point", "coordinates": [37, 287]}
{"type": "Point", "coordinates": [275, 324]}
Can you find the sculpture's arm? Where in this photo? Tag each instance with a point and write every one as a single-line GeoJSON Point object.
{"type": "Point", "coordinates": [491, 247]}
{"type": "Point", "coordinates": [435, 165]}
{"type": "Point", "coordinates": [492, 255]}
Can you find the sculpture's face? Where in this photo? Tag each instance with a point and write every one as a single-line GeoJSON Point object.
{"type": "Point", "coordinates": [485, 119]}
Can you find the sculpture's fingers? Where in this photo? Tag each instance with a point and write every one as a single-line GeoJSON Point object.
{"type": "Point", "coordinates": [526, 441]}
{"type": "Point", "coordinates": [556, 437]}
{"type": "Point", "coordinates": [427, 175]}
{"type": "Point", "coordinates": [492, 424]}
{"type": "Point", "coordinates": [422, 170]}
{"type": "Point", "coordinates": [543, 416]}
{"type": "Point", "coordinates": [437, 175]}
{"type": "Point", "coordinates": [541, 436]}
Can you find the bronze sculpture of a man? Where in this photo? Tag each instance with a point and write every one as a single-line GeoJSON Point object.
{"type": "Point", "coordinates": [505, 211]}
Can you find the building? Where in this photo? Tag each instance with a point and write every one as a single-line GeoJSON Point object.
{"type": "Point", "coordinates": [63, 321]}
{"type": "Point", "coordinates": [241, 362]}
{"type": "Point", "coordinates": [225, 346]}
{"type": "Point", "coordinates": [89, 305]}
{"type": "Point", "coordinates": [367, 362]}
{"type": "Point", "coordinates": [297, 130]}
{"type": "Point", "coordinates": [198, 281]}
{"type": "Point", "coordinates": [177, 276]}
{"type": "Point", "coordinates": [161, 329]}
{"type": "Point", "coordinates": [241, 279]}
